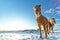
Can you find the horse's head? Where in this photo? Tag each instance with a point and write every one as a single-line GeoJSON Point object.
{"type": "Point", "coordinates": [52, 21]}
{"type": "Point", "coordinates": [37, 9]}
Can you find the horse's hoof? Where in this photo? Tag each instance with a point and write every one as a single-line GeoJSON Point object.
{"type": "Point", "coordinates": [48, 33]}
{"type": "Point", "coordinates": [40, 36]}
{"type": "Point", "coordinates": [45, 37]}
{"type": "Point", "coordinates": [52, 31]}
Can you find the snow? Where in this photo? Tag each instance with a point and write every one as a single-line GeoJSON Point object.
{"type": "Point", "coordinates": [28, 36]}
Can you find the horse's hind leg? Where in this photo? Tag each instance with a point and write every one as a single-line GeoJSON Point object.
{"type": "Point", "coordinates": [52, 29]}
{"type": "Point", "coordinates": [40, 31]}
{"type": "Point", "coordinates": [48, 28]}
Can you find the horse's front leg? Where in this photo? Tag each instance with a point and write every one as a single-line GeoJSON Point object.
{"type": "Point", "coordinates": [40, 31]}
{"type": "Point", "coordinates": [46, 31]}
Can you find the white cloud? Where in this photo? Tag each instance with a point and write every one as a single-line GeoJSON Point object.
{"type": "Point", "coordinates": [58, 7]}
{"type": "Point", "coordinates": [15, 25]}
{"type": "Point", "coordinates": [58, 11]}
{"type": "Point", "coordinates": [49, 10]}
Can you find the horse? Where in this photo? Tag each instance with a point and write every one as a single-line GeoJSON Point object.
{"type": "Point", "coordinates": [41, 20]}
{"type": "Point", "coordinates": [51, 24]}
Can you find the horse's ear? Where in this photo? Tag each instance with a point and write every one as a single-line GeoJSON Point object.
{"type": "Point", "coordinates": [54, 20]}
{"type": "Point", "coordinates": [39, 5]}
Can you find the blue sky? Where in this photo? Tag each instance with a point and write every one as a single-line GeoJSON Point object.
{"type": "Point", "coordinates": [22, 10]}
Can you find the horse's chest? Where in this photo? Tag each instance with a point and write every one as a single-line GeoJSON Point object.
{"type": "Point", "coordinates": [39, 19]}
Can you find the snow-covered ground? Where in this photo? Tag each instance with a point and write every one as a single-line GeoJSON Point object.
{"type": "Point", "coordinates": [28, 35]}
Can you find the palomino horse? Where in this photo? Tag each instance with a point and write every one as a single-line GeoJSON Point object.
{"type": "Point", "coordinates": [41, 20]}
{"type": "Point", "coordinates": [50, 24]}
